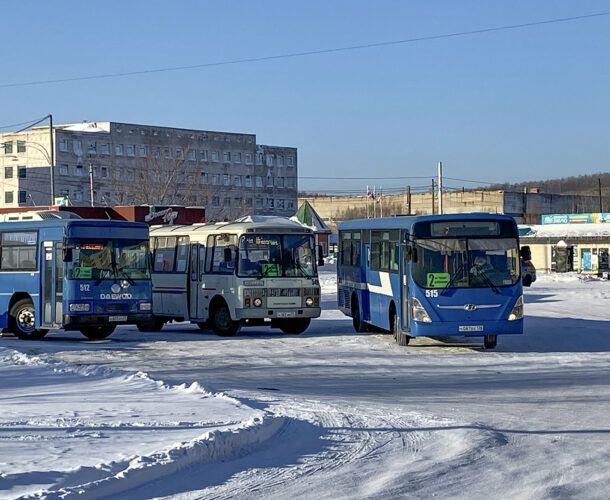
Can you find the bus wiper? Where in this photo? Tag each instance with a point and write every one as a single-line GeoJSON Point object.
{"type": "Point", "coordinates": [486, 280]}
{"type": "Point", "coordinates": [453, 278]}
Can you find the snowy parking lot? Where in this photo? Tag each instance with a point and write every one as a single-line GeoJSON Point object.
{"type": "Point", "coordinates": [329, 413]}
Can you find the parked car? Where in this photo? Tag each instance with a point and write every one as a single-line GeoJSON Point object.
{"type": "Point", "coordinates": [528, 271]}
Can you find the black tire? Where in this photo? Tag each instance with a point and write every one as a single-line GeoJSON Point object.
{"type": "Point", "coordinates": [222, 324]}
{"type": "Point", "coordinates": [155, 325]}
{"type": "Point", "coordinates": [295, 326]}
{"type": "Point", "coordinates": [22, 321]}
{"type": "Point", "coordinates": [402, 339]}
{"type": "Point", "coordinates": [97, 332]}
{"type": "Point", "coordinates": [490, 341]}
{"type": "Point", "coordinates": [527, 280]}
{"type": "Point", "coordinates": [204, 325]}
{"type": "Point", "coordinates": [358, 324]}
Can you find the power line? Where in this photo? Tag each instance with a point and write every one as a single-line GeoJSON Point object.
{"type": "Point", "coordinates": [307, 53]}
{"type": "Point", "coordinates": [30, 123]}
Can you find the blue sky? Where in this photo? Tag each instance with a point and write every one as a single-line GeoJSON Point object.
{"type": "Point", "coordinates": [504, 106]}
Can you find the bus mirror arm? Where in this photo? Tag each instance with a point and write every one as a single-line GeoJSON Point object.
{"type": "Point", "coordinates": [67, 254]}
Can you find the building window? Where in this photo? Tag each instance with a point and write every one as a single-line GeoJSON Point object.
{"type": "Point", "coordinates": [63, 145]}
{"type": "Point", "coordinates": [22, 196]}
{"type": "Point", "coordinates": [214, 155]}
{"type": "Point", "coordinates": [192, 155]}
{"type": "Point", "coordinates": [259, 181]}
{"type": "Point", "coordinates": [77, 147]}
{"type": "Point", "coordinates": [280, 161]}
{"type": "Point", "coordinates": [78, 196]}
{"type": "Point", "coordinates": [237, 201]}
{"type": "Point", "coordinates": [226, 179]}
{"type": "Point", "coordinates": [270, 202]}
{"type": "Point", "coordinates": [8, 197]}
{"type": "Point", "coordinates": [64, 169]}
{"type": "Point", "coordinates": [91, 149]}
{"type": "Point", "coordinates": [279, 182]}
{"type": "Point", "coordinates": [179, 153]}
{"type": "Point", "coordinates": [290, 205]}
{"type": "Point", "coordinates": [248, 158]}
{"type": "Point", "coordinates": [279, 204]}
{"type": "Point", "coordinates": [249, 202]}
{"type": "Point", "coordinates": [20, 146]}
{"type": "Point", "coordinates": [8, 172]}
{"type": "Point", "coordinates": [259, 203]}
{"type": "Point", "coordinates": [8, 147]}
{"type": "Point", "coordinates": [105, 149]}
{"type": "Point", "coordinates": [117, 174]}
{"type": "Point", "coordinates": [167, 153]}
{"type": "Point", "coordinates": [269, 160]}
{"type": "Point", "coordinates": [269, 181]}
{"type": "Point", "coordinates": [78, 171]}
{"type": "Point", "coordinates": [216, 201]}
{"type": "Point", "coordinates": [290, 161]}
{"type": "Point", "coordinates": [131, 150]}
{"type": "Point", "coordinates": [291, 182]}
{"type": "Point", "coordinates": [142, 151]}
{"type": "Point", "coordinates": [248, 181]}
{"type": "Point", "coordinates": [215, 179]}
{"type": "Point", "coordinates": [118, 149]}
{"type": "Point", "coordinates": [203, 179]}
{"type": "Point", "coordinates": [203, 155]}
{"type": "Point", "coordinates": [237, 157]}
{"type": "Point", "coordinates": [237, 180]}
{"type": "Point", "coordinates": [226, 201]}
{"type": "Point", "coordinates": [156, 153]}
{"type": "Point", "coordinates": [105, 172]}
{"type": "Point", "coordinates": [259, 158]}
{"type": "Point", "coordinates": [226, 157]}
{"type": "Point", "coordinates": [21, 172]}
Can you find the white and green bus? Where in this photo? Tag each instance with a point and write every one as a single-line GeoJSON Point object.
{"type": "Point", "coordinates": [228, 275]}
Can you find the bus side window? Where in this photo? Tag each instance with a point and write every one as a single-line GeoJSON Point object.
{"type": "Point", "coordinates": [182, 254]}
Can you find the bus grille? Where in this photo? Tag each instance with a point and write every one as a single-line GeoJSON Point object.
{"type": "Point", "coordinates": [284, 292]}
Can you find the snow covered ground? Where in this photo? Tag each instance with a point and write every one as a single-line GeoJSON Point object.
{"type": "Point", "coordinates": [326, 414]}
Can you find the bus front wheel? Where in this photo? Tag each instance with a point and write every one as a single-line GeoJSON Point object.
{"type": "Point", "coordinates": [22, 321]}
{"type": "Point", "coordinates": [490, 341]}
{"type": "Point", "coordinates": [97, 332]}
{"type": "Point", "coordinates": [155, 325]}
{"type": "Point", "coordinates": [222, 324]}
{"type": "Point", "coordinates": [402, 339]}
{"type": "Point", "coordinates": [295, 326]}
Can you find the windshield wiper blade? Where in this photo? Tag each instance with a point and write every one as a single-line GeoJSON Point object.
{"type": "Point", "coordinates": [487, 281]}
{"type": "Point", "coordinates": [453, 278]}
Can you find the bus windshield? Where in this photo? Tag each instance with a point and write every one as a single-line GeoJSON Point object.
{"type": "Point", "coordinates": [276, 255]}
{"type": "Point", "coordinates": [108, 259]}
{"type": "Point", "coordinates": [466, 263]}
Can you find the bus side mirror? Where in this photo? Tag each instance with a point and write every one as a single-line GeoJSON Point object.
{"type": "Point", "coordinates": [67, 254]}
{"type": "Point", "coordinates": [227, 254]}
{"type": "Point", "coordinates": [412, 253]}
{"type": "Point", "coordinates": [526, 253]}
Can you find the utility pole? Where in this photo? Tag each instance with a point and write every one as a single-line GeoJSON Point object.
{"type": "Point", "coordinates": [440, 187]}
{"type": "Point", "coordinates": [601, 203]}
{"type": "Point", "coordinates": [52, 155]}
{"type": "Point", "coordinates": [432, 196]}
{"type": "Point", "coordinates": [91, 181]}
{"type": "Point", "coordinates": [408, 200]}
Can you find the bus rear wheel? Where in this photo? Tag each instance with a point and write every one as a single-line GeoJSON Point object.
{"type": "Point", "coordinates": [358, 324]}
{"type": "Point", "coordinates": [295, 326]}
{"type": "Point", "coordinates": [490, 341]}
{"type": "Point", "coordinates": [222, 324]}
{"type": "Point", "coordinates": [97, 332]}
{"type": "Point", "coordinates": [22, 321]}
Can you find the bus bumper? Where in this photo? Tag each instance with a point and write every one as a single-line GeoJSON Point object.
{"type": "Point", "coordinates": [77, 321]}
{"type": "Point", "coordinates": [465, 329]}
{"type": "Point", "coordinates": [258, 313]}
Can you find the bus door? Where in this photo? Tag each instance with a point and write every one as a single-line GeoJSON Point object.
{"type": "Point", "coordinates": [194, 282]}
{"type": "Point", "coordinates": [51, 283]}
{"type": "Point", "coordinates": [404, 281]}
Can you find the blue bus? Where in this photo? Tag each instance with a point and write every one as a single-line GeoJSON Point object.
{"type": "Point", "coordinates": [75, 274]}
{"type": "Point", "coordinates": [435, 275]}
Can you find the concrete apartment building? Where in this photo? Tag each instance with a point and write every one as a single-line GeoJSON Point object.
{"type": "Point", "coordinates": [110, 163]}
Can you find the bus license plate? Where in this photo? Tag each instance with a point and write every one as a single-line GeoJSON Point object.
{"type": "Point", "coordinates": [286, 314]}
{"type": "Point", "coordinates": [117, 318]}
{"type": "Point", "coordinates": [473, 328]}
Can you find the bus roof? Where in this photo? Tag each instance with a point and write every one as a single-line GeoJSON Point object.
{"type": "Point", "coordinates": [406, 221]}
{"type": "Point", "coordinates": [73, 223]}
{"type": "Point", "coordinates": [286, 226]}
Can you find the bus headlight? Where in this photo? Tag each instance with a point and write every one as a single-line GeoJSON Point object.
{"type": "Point", "coordinates": [257, 302]}
{"type": "Point", "coordinates": [145, 306]}
{"type": "Point", "coordinates": [80, 307]}
{"type": "Point", "coordinates": [517, 312]}
{"type": "Point", "coordinates": [309, 302]}
{"type": "Point", "coordinates": [418, 313]}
